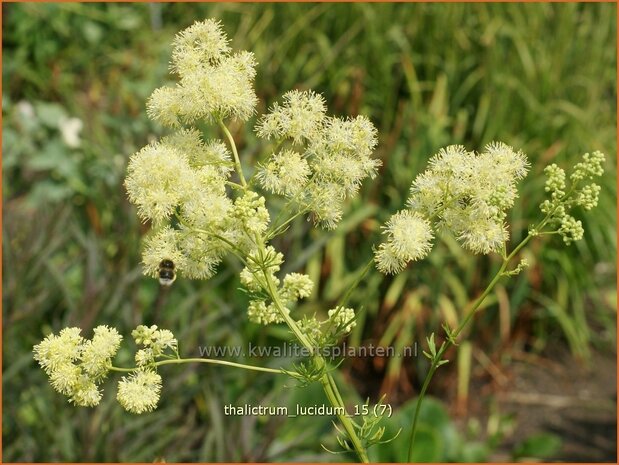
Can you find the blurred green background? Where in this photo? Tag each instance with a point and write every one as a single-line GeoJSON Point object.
{"type": "Point", "coordinates": [540, 77]}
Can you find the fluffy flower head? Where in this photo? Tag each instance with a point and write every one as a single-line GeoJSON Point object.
{"type": "Point", "coordinates": [200, 45]}
{"type": "Point", "coordinates": [331, 156]}
{"type": "Point", "coordinates": [469, 193]}
{"type": "Point", "coordinates": [98, 352]}
{"type": "Point", "coordinates": [284, 173]}
{"type": "Point", "coordinates": [410, 234]}
{"type": "Point", "coordinates": [139, 392]}
{"type": "Point", "coordinates": [409, 238]}
{"type": "Point", "coordinates": [76, 366]}
{"type": "Point", "coordinates": [299, 118]}
{"type": "Point", "coordinates": [214, 82]}
{"type": "Point", "coordinates": [157, 178]}
{"type": "Point", "coordinates": [58, 350]}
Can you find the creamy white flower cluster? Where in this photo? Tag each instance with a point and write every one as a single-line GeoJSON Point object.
{"type": "Point", "coordinates": [154, 341]}
{"type": "Point", "coordinates": [343, 317]}
{"type": "Point", "coordinates": [580, 192]}
{"type": "Point", "coordinates": [198, 243]}
{"type": "Point", "coordinates": [77, 366]}
{"type": "Point", "coordinates": [179, 184]}
{"type": "Point", "coordinates": [340, 322]}
{"type": "Point", "coordinates": [139, 392]}
{"type": "Point", "coordinates": [465, 193]}
{"type": "Point", "coordinates": [260, 280]}
{"type": "Point", "coordinates": [180, 173]}
{"type": "Point", "coordinates": [259, 274]}
{"type": "Point", "coordinates": [326, 159]}
{"type": "Point", "coordinates": [214, 83]}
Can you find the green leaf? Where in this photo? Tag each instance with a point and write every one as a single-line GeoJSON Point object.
{"type": "Point", "coordinates": [538, 446]}
{"type": "Point", "coordinates": [428, 446]}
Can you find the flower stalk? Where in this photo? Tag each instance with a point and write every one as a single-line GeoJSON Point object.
{"type": "Point", "coordinates": [437, 358]}
{"type": "Point", "coordinates": [180, 361]}
{"type": "Point", "coordinates": [326, 380]}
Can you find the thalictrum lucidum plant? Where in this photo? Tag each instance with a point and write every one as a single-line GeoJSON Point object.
{"type": "Point", "coordinates": [201, 208]}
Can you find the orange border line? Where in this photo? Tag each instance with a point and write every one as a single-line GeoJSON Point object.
{"type": "Point", "coordinates": [298, 1]}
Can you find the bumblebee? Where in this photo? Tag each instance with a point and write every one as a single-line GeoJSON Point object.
{"type": "Point", "coordinates": [166, 272]}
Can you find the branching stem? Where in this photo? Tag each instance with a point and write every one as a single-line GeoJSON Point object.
{"type": "Point", "coordinates": [235, 153]}
{"type": "Point", "coordinates": [438, 357]}
{"type": "Point", "coordinates": [327, 381]}
{"type": "Point", "coordinates": [180, 361]}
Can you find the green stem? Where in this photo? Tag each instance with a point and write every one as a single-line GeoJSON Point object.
{"type": "Point", "coordinates": [368, 266]}
{"type": "Point", "coordinates": [285, 208]}
{"type": "Point", "coordinates": [437, 359]}
{"type": "Point", "coordinates": [234, 185]}
{"type": "Point", "coordinates": [333, 394]}
{"type": "Point", "coordinates": [235, 153]}
{"type": "Point", "coordinates": [327, 381]}
{"type": "Point", "coordinates": [280, 229]}
{"type": "Point", "coordinates": [238, 252]}
{"type": "Point", "coordinates": [211, 361]}
{"type": "Point", "coordinates": [335, 389]}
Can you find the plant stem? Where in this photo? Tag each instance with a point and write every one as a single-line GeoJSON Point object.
{"type": "Point", "coordinates": [368, 266]}
{"type": "Point", "coordinates": [205, 360]}
{"type": "Point", "coordinates": [437, 359]}
{"type": "Point", "coordinates": [280, 229]}
{"type": "Point", "coordinates": [235, 153]}
{"type": "Point", "coordinates": [290, 202]}
{"type": "Point", "coordinates": [327, 381]}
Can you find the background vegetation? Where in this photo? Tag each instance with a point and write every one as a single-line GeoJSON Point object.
{"type": "Point", "coordinates": [540, 77]}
